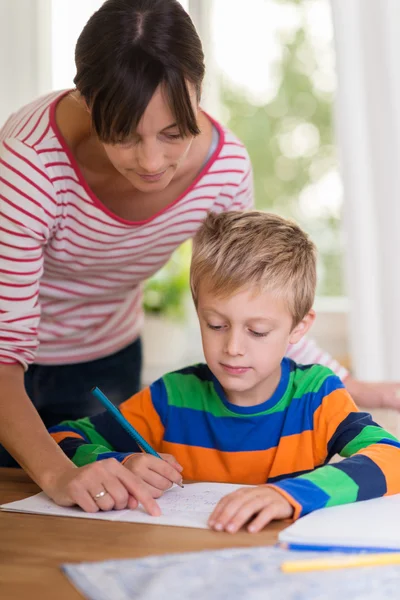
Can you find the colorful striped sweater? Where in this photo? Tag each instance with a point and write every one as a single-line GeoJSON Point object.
{"type": "Point", "coordinates": [286, 441]}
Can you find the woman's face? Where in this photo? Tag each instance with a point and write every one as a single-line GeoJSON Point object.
{"type": "Point", "coordinates": [154, 154]}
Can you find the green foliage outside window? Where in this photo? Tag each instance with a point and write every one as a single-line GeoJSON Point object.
{"type": "Point", "coordinates": [303, 114]}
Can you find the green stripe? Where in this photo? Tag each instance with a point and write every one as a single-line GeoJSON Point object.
{"type": "Point", "coordinates": [86, 427]}
{"type": "Point", "coordinates": [338, 485]}
{"type": "Point", "coordinates": [310, 380]}
{"type": "Point", "coordinates": [188, 391]}
{"type": "Point", "coordinates": [87, 454]}
{"type": "Point", "coordinates": [371, 434]}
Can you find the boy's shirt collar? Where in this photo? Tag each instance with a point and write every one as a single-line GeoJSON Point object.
{"type": "Point", "coordinates": [264, 407]}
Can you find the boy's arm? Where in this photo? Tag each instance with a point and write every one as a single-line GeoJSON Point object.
{"type": "Point", "coordinates": [371, 465]}
{"type": "Point", "coordinates": [99, 437]}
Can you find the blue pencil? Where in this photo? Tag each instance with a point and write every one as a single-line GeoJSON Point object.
{"type": "Point", "coordinates": [119, 417]}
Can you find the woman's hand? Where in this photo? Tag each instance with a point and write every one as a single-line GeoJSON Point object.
{"type": "Point", "coordinates": [374, 395]}
{"type": "Point", "coordinates": [158, 474]}
{"type": "Point", "coordinates": [260, 505]}
{"type": "Point", "coordinates": [103, 485]}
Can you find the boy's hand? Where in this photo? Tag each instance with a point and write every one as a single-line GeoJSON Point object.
{"type": "Point", "coordinates": [237, 508]}
{"type": "Point", "coordinates": [159, 475]}
{"type": "Point", "coordinates": [118, 488]}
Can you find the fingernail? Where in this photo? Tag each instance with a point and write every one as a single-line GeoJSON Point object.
{"type": "Point", "coordinates": [218, 526]}
{"type": "Point", "coordinates": [251, 529]}
{"type": "Point", "coordinates": [211, 523]}
{"type": "Point", "coordinates": [231, 527]}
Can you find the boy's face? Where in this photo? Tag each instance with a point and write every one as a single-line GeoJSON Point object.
{"type": "Point", "coordinates": [245, 337]}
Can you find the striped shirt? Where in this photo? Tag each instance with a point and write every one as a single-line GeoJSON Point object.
{"type": "Point", "coordinates": [70, 270]}
{"type": "Point", "coordinates": [286, 441]}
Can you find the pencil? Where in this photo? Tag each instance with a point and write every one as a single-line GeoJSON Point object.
{"type": "Point", "coordinates": [341, 562]}
{"type": "Point", "coordinates": [117, 414]}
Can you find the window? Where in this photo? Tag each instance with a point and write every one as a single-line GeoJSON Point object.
{"type": "Point", "coordinates": [276, 74]}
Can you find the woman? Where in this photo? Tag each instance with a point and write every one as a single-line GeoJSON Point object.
{"type": "Point", "coordinates": [98, 186]}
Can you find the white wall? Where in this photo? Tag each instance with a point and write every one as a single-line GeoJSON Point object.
{"type": "Point", "coordinates": [25, 57]}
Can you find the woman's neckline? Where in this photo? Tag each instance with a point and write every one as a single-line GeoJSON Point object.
{"type": "Point", "coordinates": [82, 181]}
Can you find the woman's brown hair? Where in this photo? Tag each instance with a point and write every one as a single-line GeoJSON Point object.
{"type": "Point", "coordinates": [125, 51]}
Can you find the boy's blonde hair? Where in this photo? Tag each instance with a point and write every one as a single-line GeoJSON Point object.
{"type": "Point", "coordinates": [236, 250]}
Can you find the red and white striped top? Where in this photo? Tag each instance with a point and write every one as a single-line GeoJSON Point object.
{"type": "Point", "coordinates": [71, 270]}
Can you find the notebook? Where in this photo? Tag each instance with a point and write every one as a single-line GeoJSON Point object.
{"type": "Point", "coordinates": [187, 507]}
{"type": "Point", "coordinates": [369, 525]}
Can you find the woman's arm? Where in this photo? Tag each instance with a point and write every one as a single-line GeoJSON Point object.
{"type": "Point", "coordinates": [24, 435]}
{"type": "Point", "coordinates": [367, 394]}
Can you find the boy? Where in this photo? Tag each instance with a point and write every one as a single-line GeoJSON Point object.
{"type": "Point", "coordinates": [249, 415]}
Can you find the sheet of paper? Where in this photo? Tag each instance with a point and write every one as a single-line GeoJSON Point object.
{"type": "Point", "coordinates": [370, 523]}
{"type": "Point", "coordinates": [237, 574]}
{"type": "Point", "coordinates": [186, 507]}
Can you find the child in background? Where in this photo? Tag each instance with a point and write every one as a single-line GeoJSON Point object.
{"type": "Point", "coordinates": [249, 415]}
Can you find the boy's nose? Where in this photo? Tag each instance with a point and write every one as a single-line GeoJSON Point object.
{"type": "Point", "coordinates": [234, 345]}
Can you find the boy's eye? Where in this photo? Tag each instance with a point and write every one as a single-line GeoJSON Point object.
{"type": "Point", "coordinates": [259, 333]}
{"type": "Point", "coordinates": [215, 327]}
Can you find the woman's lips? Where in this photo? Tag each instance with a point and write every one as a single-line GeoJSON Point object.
{"type": "Point", "coordinates": [154, 177]}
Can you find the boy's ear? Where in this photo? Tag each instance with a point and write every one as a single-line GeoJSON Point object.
{"type": "Point", "coordinates": [302, 328]}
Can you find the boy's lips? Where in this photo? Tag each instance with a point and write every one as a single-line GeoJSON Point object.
{"type": "Point", "coordinates": [235, 370]}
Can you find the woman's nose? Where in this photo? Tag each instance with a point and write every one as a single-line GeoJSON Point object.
{"type": "Point", "coordinates": [150, 158]}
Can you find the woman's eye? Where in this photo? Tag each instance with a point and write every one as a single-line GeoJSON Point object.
{"type": "Point", "coordinates": [173, 136]}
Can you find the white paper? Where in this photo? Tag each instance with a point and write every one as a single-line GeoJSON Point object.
{"type": "Point", "coordinates": [367, 524]}
{"type": "Point", "coordinates": [185, 507]}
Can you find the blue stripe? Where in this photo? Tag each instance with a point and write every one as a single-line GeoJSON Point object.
{"type": "Point", "coordinates": [288, 475]}
{"type": "Point", "coordinates": [70, 445]}
{"type": "Point", "coordinates": [366, 474]}
{"type": "Point", "coordinates": [306, 493]}
{"type": "Point", "coordinates": [345, 549]}
{"type": "Point", "coordinates": [229, 434]}
{"type": "Point", "coordinates": [117, 437]}
{"type": "Point", "coordinates": [117, 455]}
{"type": "Point", "coordinates": [66, 428]}
{"type": "Point", "coordinates": [347, 430]}
{"type": "Point", "coordinates": [159, 398]}
{"type": "Point", "coordinates": [389, 442]}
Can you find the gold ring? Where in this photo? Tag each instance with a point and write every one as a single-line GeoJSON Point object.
{"type": "Point", "coordinates": [100, 494]}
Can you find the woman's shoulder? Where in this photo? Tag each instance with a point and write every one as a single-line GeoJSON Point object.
{"type": "Point", "coordinates": [30, 123]}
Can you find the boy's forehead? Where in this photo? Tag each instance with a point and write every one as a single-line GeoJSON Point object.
{"type": "Point", "coordinates": [251, 303]}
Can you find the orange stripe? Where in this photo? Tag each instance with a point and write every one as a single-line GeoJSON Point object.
{"type": "Point", "coordinates": [140, 413]}
{"type": "Point", "coordinates": [387, 458]}
{"type": "Point", "coordinates": [59, 436]}
{"type": "Point", "coordinates": [205, 464]}
{"type": "Point", "coordinates": [294, 453]}
{"type": "Point", "coordinates": [334, 409]}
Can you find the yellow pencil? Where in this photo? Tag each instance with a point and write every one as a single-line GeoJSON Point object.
{"type": "Point", "coordinates": [341, 562]}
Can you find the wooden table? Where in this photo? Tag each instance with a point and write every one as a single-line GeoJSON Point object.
{"type": "Point", "coordinates": [32, 547]}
